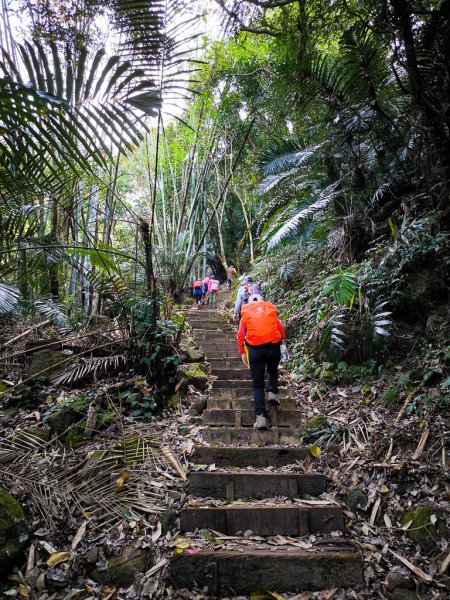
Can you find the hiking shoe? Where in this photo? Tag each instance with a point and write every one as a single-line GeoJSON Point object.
{"type": "Point", "coordinates": [261, 422]}
{"type": "Point", "coordinates": [272, 399]}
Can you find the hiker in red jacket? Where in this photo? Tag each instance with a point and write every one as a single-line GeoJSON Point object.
{"type": "Point", "coordinates": [259, 338]}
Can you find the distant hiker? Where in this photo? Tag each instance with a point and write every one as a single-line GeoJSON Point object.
{"type": "Point", "coordinates": [198, 292]}
{"type": "Point", "coordinates": [247, 288]}
{"type": "Point", "coordinates": [213, 288]}
{"type": "Point", "coordinates": [231, 275]}
{"type": "Point", "coordinates": [205, 283]}
{"type": "Point", "coordinates": [259, 338]}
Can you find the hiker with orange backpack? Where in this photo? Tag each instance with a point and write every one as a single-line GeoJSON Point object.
{"type": "Point", "coordinates": [259, 338]}
{"type": "Point", "coordinates": [198, 291]}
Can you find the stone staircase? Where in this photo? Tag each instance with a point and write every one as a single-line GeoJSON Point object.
{"type": "Point", "coordinates": [278, 502]}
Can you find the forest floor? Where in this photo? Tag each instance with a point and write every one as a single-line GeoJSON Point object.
{"type": "Point", "coordinates": [84, 497]}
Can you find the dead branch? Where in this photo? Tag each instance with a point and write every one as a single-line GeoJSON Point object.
{"type": "Point", "coordinates": [25, 333]}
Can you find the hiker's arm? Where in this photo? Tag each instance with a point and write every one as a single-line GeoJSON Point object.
{"type": "Point", "coordinates": [241, 337]}
{"type": "Point", "coordinates": [237, 304]}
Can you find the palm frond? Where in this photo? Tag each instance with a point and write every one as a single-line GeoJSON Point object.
{"type": "Point", "coordinates": [90, 367]}
{"type": "Point", "coordinates": [277, 231]}
{"type": "Point", "coordinates": [9, 297]}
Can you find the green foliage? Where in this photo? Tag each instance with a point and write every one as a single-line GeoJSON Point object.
{"type": "Point", "coordinates": [390, 395]}
{"type": "Point", "coordinates": [342, 286]}
{"type": "Point", "coordinates": [152, 347]}
{"type": "Point", "coordinates": [138, 404]}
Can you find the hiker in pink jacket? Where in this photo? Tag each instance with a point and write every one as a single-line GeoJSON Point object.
{"type": "Point", "coordinates": [213, 288]}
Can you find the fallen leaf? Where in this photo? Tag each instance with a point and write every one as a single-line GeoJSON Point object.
{"type": "Point", "coordinates": [157, 533]}
{"type": "Point", "coordinates": [423, 576]}
{"type": "Point", "coordinates": [79, 535]}
{"type": "Point", "coordinates": [262, 594]}
{"type": "Point", "coordinates": [57, 557]}
{"type": "Point", "coordinates": [315, 451]}
{"type": "Point", "coordinates": [121, 481]}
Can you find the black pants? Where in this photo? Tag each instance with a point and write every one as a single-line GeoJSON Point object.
{"type": "Point", "coordinates": [260, 357]}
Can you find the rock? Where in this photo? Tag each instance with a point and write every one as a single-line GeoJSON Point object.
{"type": "Point", "coordinates": [31, 437]}
{"type": "Point", "coordinates": [14, 529]}
{"type": "Point", "coordinates": [397, 580]}
{"type": "Point", "coordinates": [48, 360]}
{"type": "Point", "coordinates": [355, 499]}
{"type": "Point", "coordinates": [68, 415]}
{"type": "Point", "coordinates": [198, 406]}
{"type": "Point", "coordinates": [190, 352]}
{"type": "Point", "coordinates": [422, 531]}
{"type": "Point", "coordinates": [402, 594]}
{"type": "Point", "coordinates": [121, 570]}
{"type": "Point", "coordinates": [196, 376]}
{"type": "Point", "coordinates": [167, 519]}
{"type": "Point", "coordinates": [173, 401]}
{"type": "Point", "coordinates": [8, 413]}
{"type": "Point", "coordinates": [24, 397]}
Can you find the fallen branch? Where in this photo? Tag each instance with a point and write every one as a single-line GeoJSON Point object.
{"type": "Point", "coordinates": [407, 403]}
{"type": "Point", "coordinates": [25, 333]}
{"type": "Point", "coordinates": [61, 362]}
{"type": "Point", "coordinates": [421, 444]}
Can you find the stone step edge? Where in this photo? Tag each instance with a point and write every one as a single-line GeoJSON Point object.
{"type": "Point", "coordinates": [264, 520]}
{"type": "Point", "coordinates": [240, 571]}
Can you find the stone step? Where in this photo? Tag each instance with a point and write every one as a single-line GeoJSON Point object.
{"type": "Point", "coordinates": [225, 363]}
{"type": "Point", "coordinates": [213, 327]}
{"type": "Point", "coordinates": [251, 484]}
{"type": "Point", "coordinates": [291, 520]}
{"type": "Point", "coordinates": [233, 456]}
{"type": "Point", "coordinates": [232, 572]}
{"type": "Point", "coordinates": [236, 389]}
{"type": "Point", "coordinates": [224, 346]}
{"type": "Point", "coordinates": [246, 418]}
{"type": "Point", "coordinates": [214, 336]}
{"type": "Point", "coordinates": [249, 436]}
{"type": "Point", "coordinates": [218, 354]}
{"type": "Point", "coordinates": [224, 403]}
{"type": "Point", "coordinates": [226, 384]}
{"type": "Point", "coordinates": [205, 314]}
{"type": "Point", "coordinates": [232, 374]}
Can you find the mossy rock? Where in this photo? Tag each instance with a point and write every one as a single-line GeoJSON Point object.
{"type": "Point", "coordinates": [68, 415]}
{"type": "Point", "coordinates": [8, 413]}
{"type": "Point", "coordinates": [4, 387]}
{"type": "Point", "coordinates": [14, 529]}
{"type": "Point", "coordinates": [355, 499]}
{"type": "Point", "coordinates": [47, 361]}
{"type": "Point", "coordinates": [173, 402]}
{"type": "Point", "coordinates": [195, 375]}
{"type": "Point", "coordinates": [31, 437]}
{"type": "Point", "coordinates": [316, 423]}
{"type": "Point", "coordinates": [122, 570]}
{"type": "Point", "coordinates": [24, 397]}
{"type": "Point", "coordinates": [422, 531]}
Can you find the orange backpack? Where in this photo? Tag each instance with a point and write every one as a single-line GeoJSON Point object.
{"type": "Point", "coordinates": [261, 323]}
